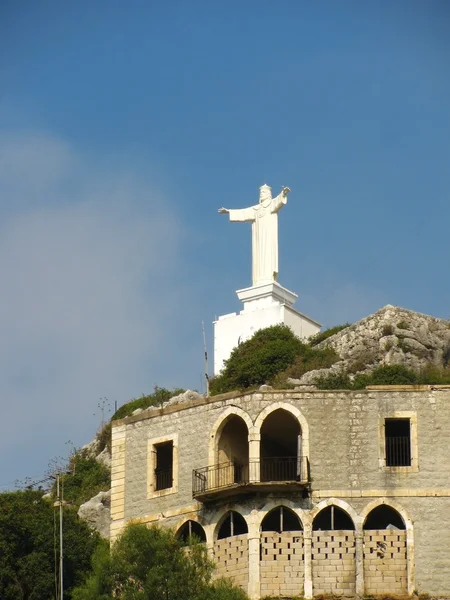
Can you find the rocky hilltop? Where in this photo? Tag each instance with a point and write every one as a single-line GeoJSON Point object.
{"type": "Point", "coordinates": [391, 336]}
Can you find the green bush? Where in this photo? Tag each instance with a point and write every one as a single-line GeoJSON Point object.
{"type": "Point", "coordinates": [324, 335]}
{"type": "Point", "coordinates": [383, 375]}
{"type": "Point", "coordinates": [433, 374]}
{"type": "Point", "coordinates": [159, 396]}
{"type": "Point", "coordinates": [334, 381]}
{"type": "Point", "coordinates": [88, 477]}
{"type": "Point", "coordinates": [104, 437]}
{"type": "Point", "coordinates": [151, 564]}
{"type": "Point", "coordinates": [259, 359]}
{"type": "Point", "coordinates": [310, 360]}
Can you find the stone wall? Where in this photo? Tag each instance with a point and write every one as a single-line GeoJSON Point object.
{"type": "Point", "coordinates": [342, 437]}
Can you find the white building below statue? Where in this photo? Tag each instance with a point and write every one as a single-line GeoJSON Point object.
{"type": "Point", "coordinates": [264, 305]}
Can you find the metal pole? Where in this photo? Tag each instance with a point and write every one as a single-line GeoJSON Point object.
{"type": "Point", "coordinates": [206, 359]}
{"type": "Point", "coordinates": [60, 502]}
{"type": "Point", "coordinates": [61, 544]}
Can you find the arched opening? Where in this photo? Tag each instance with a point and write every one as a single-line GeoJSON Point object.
{"type": "Point", "coordinates": [281, 553]}
{"type": "Point", "coordinates": [333, 552]}
{"type": "Point", "coordinates": [232, 452]}
{"type": "Point", "coordinates": [281, 447]}
{"type": "Point", "coordinates": [191, 532]}
{"type": "Point", "coordinates": [333, 518]}
{"type": "Point", "coordinates": [281, 519]}
{"type": "Point", "coordinates": [385, 552]}
{"type": "Point", "coordinates": [233, 524]}
{"type": "Point", "coordinates": [384, 517]}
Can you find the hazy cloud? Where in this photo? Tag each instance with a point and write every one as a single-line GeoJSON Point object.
{"type": "Point", "coordinates": [83, 260]}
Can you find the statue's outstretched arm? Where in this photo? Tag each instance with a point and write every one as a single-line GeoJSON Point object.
{"type": "Point", "coordinates": [280, 200]}
{"type": "Point", "coordinates": [239, 214]}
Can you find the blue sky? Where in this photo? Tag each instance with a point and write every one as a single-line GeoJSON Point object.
{"type": "Point", "coordinates": [125, 126]}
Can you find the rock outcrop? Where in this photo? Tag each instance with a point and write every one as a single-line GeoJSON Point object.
{"type": "Point", "coordinates": [96, 512]}
{"type": "Point", "coordinates": [391, 336]}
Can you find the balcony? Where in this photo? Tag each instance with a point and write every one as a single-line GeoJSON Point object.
{"type": "Point", "coordinates": [265, 474]}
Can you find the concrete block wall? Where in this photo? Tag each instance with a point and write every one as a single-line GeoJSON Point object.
{"type": "Point", "coordinates": [333, 562]}
{"type": "Point", "coordinates": [282, 563]}
{"type": "Point", "coordinates": [231, 558]}
{"type": "Point", "coordinates": [385, 562]}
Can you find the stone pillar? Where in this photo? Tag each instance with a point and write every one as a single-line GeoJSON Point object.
{"type": "Point", "coordinates": [359, 562]}
{"type": "Point", "coordinates": [254, 540]}
{"type": "Point", "coordinates": [307, 550]}
{"type": "Point", "coordinates": [254, 440]}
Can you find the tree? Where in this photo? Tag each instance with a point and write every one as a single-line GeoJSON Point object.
{"type": "Point", "coordinates": [151, 564]}
{"type": "Point", "coordinates": [28, 530]}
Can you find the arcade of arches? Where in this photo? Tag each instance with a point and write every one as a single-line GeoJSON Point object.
{"type": "Point", "coordinates": [332, 557]}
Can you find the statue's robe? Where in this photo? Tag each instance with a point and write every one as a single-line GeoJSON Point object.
{"type": "Point", "coordinates": [264, 219]}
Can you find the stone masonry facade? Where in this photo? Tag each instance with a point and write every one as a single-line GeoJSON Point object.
{"type": "Point", "coordinates": [335, 512]}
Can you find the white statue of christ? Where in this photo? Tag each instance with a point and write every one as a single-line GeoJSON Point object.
{"type": "Point", "coordinates": [264, 220]}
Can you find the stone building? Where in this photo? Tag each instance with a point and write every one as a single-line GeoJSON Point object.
{"type": "Point", "coordinates": [299, 492]}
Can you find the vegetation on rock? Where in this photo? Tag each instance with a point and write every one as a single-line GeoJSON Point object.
{"type": "Point", "coordinates": [151, 564]}
{"type": "Point", "coordinates": [159, 396]}
{"type": "Point", "coordinates": [277, 357]}
{"type": "Point", "coordinates": [384, 375]}
{"type": "Point", "coordinates": [28, 533]}
{"type": "Point", "coordinates": [87, 477]}
{"type": "Point", "coordinates": [324, 335]}
{"type": "Point", "coordinates": [270, 356]}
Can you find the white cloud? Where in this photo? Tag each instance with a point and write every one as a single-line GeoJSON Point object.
{"type": "Point", "coordinates": [87, 265]}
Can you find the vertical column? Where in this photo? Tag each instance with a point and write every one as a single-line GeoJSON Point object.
{"type": "Point", "coordinates": [118, 435]}
{"type": "Point", "coordinates": [253, 456]}
{"type": "Point", "coordinates": [209, 532]}
{"type": "Point", "coordinates": [254, 585]}
{"type": "Point", "coordinates": [307, 549]}
{"type": "Point", "coordinates": [359, 561]}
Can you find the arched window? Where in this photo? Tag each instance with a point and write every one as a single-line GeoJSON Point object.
{"type": "Point", "coordinates": [191, 531]}
{"type": "Point", "coordinates": [333, 518]}
{"type": "Point", "coordinates": [232, 450]}
{"type": "Point", "coordinates": [281, 447]}
{"type": "Point", "coordinates": [384, 517]}
{"type": "Point", "coordinates": [281, 519]}
{"type": "Point", "coordinates": [233, 524]}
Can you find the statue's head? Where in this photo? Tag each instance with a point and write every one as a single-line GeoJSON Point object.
{"type": "Point", "coordinates": [265, 193]}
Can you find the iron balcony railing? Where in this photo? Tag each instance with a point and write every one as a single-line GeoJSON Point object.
{"type": "Point", "coordinates": [398, 451]}
{"type": "Point", "coordinates": [265, 470]}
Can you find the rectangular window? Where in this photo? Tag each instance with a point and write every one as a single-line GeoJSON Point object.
{"type": "Point", "coordinates": [164, 465]}
{"type": "Point", "coordinates": [398, 442]}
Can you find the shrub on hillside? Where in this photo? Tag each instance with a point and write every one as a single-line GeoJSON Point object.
{"type": "Point", "coordinates": [382, 375]}
{"type": "Point", "coordinates": [87, 478]}
{"type": "Point", "coordinates": [257, 360]}
{"type": "Point", "coordinates": [386, 375]}
{"type": "Point", "coordinates": [324, 335]}
{"type": "Point", "coordinates": [159, 396]}
{"type": "Point", "coordinates": [310, 360]}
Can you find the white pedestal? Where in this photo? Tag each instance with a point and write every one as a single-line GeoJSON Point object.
{"type": "Point", "coordinates": [264, 305]}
